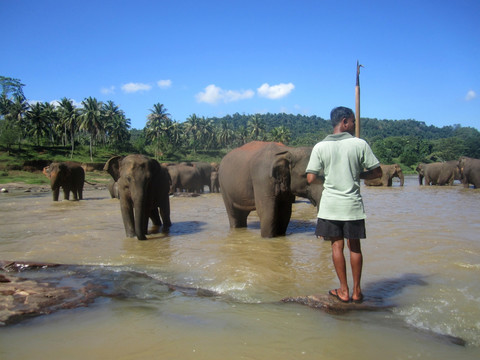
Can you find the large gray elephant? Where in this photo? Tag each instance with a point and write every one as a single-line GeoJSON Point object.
{"type": "Point", "coordinates": [67, 175]}
{"type": "Point", "coordinates": [185, 177]}
{"type": "Point", "coordinates": [438, 173]}
{"type": "Point", "coordinates": [469, 171]}
{"type": "Point", "coordinates": [388, 173]}
{"type": "Point", "coordinates": [266, 177]}
{"type": "Point", "coordinates": [143, 185]}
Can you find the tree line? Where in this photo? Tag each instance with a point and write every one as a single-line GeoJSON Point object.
{"type": "Point", "coordinates": [103, 125]}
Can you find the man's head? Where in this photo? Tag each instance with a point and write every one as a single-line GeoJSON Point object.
{"type": "Point", "coordinates": [343, 119]}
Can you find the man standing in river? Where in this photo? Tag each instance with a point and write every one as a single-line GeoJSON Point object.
{"type": "Point", "coordinates": [343, 158]}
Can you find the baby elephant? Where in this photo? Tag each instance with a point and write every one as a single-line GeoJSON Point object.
{"type": "Point", "coordinates": [68, 175]}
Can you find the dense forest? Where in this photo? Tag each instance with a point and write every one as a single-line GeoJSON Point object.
{"type": "Point", "coordinates": [103, 127]}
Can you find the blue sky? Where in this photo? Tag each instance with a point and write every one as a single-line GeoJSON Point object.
{"type": "Point", "coordinates": [214, 58]}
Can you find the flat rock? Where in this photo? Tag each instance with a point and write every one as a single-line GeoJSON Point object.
{"type": "Point", "coordinates": [333, 305]}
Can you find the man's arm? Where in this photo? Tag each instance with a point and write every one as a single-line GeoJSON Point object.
{"type": "Point", "coordinates": [370, 174]}
{"type": "Point", "coordinates": [311, 177]}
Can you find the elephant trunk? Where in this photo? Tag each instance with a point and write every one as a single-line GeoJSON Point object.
{"type": "Point", "coordinates": [141, 218]}
{"type": "Point", "coordinates": [402, 179]}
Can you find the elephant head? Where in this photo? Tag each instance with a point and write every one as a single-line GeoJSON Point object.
{"type": "Point", "coordinates": [299, 186]}
{"type": "Point", "coordinates": [421, 172]}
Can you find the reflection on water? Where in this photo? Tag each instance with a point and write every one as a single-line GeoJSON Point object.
{"type": "Point", "coordinates": [422, 254]}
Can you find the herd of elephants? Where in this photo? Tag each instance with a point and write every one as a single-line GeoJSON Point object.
{"type": "Point", "coordinates": [261, 176]}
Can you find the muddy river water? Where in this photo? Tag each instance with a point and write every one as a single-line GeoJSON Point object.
{"type": "Point", "coordinates": [422, 254]}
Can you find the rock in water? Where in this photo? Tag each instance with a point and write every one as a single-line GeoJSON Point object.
{"type": "Point", "coordinates": [332, 305]}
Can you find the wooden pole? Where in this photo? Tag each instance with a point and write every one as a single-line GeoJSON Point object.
{"type": "Point", "coordinates": [357, 102]}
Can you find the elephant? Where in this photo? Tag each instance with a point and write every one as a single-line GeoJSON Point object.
{"type": "Point", "coordinates": [205, 170]}
{"type": "Point", "coordinates": [185, 177]}
{"type": "Point", "coordinates": [266, 177]}
{"type": "Point", "coordinates": [113, 189]}
{"type": "Point", "coordinates": [143, 185]}
{"type": "Point", "coordinates": [68, 175]}
{"type": "Point", "coordinates": [470, 171]}
{"type": "Point", "coordinates": [439, 173]}
{"type": "Point", "coordinates": [389, 172]}
{"type": "Point", "coordinates": [214, 184]}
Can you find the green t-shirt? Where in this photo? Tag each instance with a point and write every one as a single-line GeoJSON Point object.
{"type": "Point", "coordinates": [342, 157]}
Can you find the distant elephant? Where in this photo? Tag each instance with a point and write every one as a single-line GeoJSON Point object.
{"type": "Point", "coordinates": [389, 172]}
{"type": "Point", "coordinates": [113, 189]}
{"type": "Point", "coordinates": [143, 185]}
{"type": "Point", "coordinates": [214, 184]}
{"type": "Point", "coordinates": [470, 171]}
{"type": "Point", "coordinates": [185, 177]}
{"type": "Point", "coordinates": [68, 175]}
{"type": "Point", "coordinates": [205, 170]}
{"type": "Point", "coordinates": [266, 177]}
{"type": "Point", "coordinates": [439, 173]}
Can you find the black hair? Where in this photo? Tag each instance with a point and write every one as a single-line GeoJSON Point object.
{"type": "Point", "coordinates": [339, 113]}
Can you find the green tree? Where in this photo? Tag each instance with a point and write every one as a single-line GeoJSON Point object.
{"type": "Point", "coordinates": [38, 127]}
{"type": "Point", "coordinates": [116, 125]}
{"type": "Point", "coordinates": [192, 128]}
{"type": "Point", "coordinates": [226, 134]}
{"type": "Point", "coordinates": [156, 125]}
{"type": "Point", "coordinates": [69, 116]}
{"type": "Point", "coordinates": [91, 120]}
{"type": "Point", "coordinates": [280, 134]}
{"type": "Point", "coordinates": [256, 127]}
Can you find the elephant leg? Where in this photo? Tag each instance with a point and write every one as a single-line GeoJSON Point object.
{"type": "Point", "coordinates": [56, 194]}
{"type": "Point", "coordinates": [156, 222]}
{"type": "Point", "coordinates": [75, 194]}
{"type": "Point", "coordinates": [66, 193]}
{"type": "Point", "coordinates": [236, 217]}
{"type": "Point", "coordinates": [165, 214]}
{"type": "Point", "coordinates": [267, 212]}
{"type": "Point", "coordinates": [127, 216]}
{"type": "Point", "coordinates": [283, 213]}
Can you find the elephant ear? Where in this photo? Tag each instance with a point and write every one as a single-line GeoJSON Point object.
{"type": "Point", "coordinates": [281, 172]}
{"type": "Point", "coordinates": [112, 166]}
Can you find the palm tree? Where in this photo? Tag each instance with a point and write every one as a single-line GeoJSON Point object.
{"type": "Point", "coordinates": [116, 124]}
{"type": "Point", "coordinates": [256, 127]}
{"type": "Point", "coordinates": [280, 134]}
{"type": "Point", "coordinates": [91, 120]}
{"type": "Point", "coordinates": [158, 121]}
{"type": "Point", "coordinates": [37, 125]}
{"type": "Point", "coordinates": [192, 128]}
{"type": "Point", "coordinates": [206, 132]}
{"type": "Point", "coordinates": [69, 117]}
{"type": "Point", "coordinates": [226, 135]}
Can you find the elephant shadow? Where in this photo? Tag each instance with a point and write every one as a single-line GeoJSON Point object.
{"type": "Point", "coordinates": [380, 292]}
{"type": "Point", "coordinates": [183, 228]}
{"type": "Point", "coordinates": [295, 226]}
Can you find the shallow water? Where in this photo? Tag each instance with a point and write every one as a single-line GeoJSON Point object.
{"type": "Point", "coordinates": [422, 254]}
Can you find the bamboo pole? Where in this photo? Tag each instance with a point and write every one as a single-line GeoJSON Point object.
{"type": "Point", "coordinates": [357, 102]}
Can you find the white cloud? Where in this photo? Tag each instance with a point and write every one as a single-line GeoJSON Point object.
{"type": "Point", "coordinates": [275, 91]}
{"type": "Point", "coordinates": [109, 90]}
{"type": "Point", "coordinates": [134, 87]}
{"type": "Point", "coordinates": [214, 94]}
{"type": "Point", "coordinates": [470, 95]}
{"type": "Point", "coordinates": [164, 83]}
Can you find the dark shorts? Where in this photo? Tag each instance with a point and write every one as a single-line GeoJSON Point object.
{"type": "Point", "coordinates": [354, 229]}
